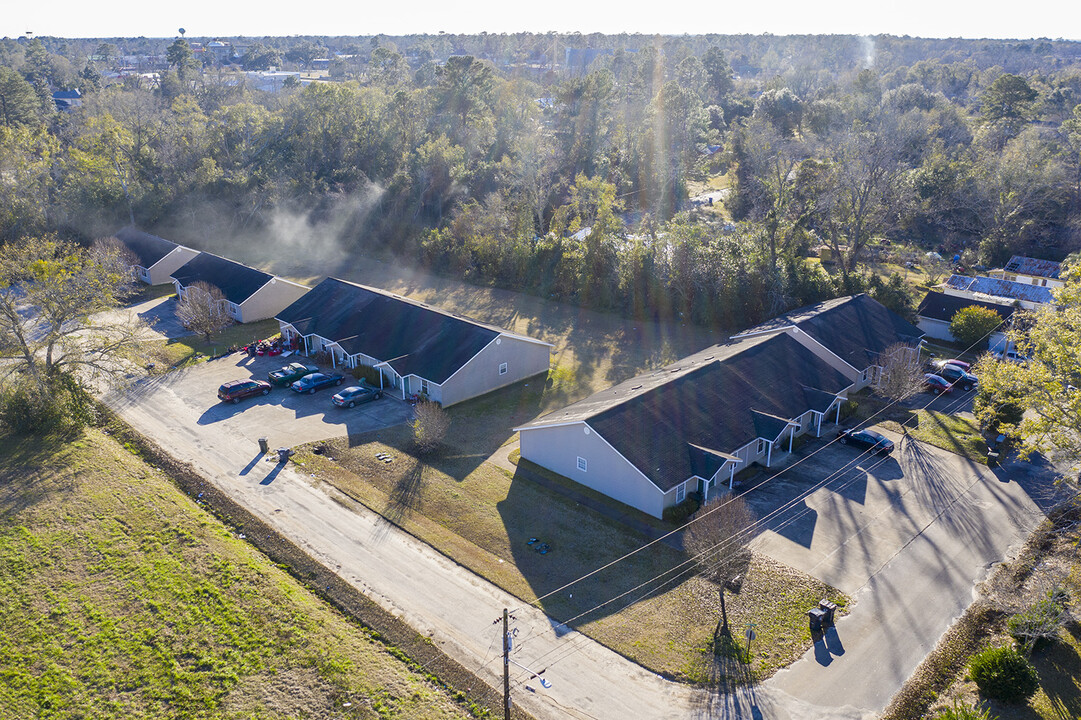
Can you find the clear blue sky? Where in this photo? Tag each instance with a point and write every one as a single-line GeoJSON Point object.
{"type": "Point", "coordinates": [927, 18]}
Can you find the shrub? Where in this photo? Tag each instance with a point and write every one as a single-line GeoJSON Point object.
{"type": "Point", "coordinates": [62, 405]}
{"type": "Point", "coordinates": [1002, 673]}
{"type": "Point", "coordinates": [679, 513]}
{"type": "Point", "coordinates": [995, 411]}
{"type": "Point", "coordinates": [973, 324]}
{"type": "Point", "coordinates": [366, 373]}
{"type": "Point", "coordinates": [963, 712]}
{"type": "Point", "coordinates": [1041, 621]}
{"type": "Point", "coordinates": [430, 425]}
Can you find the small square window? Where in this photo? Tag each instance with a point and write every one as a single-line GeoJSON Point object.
{"type": "Point", "coordinates": [582, 463]}
{"type": "Point", "coordinates": [502, 368]}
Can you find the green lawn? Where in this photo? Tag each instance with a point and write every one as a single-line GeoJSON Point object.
{"type": "Point", "coordinates": [122, 598]}
{"type": "Point", "coordinates": [483, 517]}
{"type": "Point", "coordinates": [193, 348]}
{"type": "Point", "coordinates": [958, 434]}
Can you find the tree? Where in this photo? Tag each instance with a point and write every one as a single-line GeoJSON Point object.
{"type": "Point", "coordinates": [204, 309]}
{"type": "Point", "coordinates": [972, 325]}
{"type": "Point", "coordinates": [180, 56]}
{"type": "Point", "coordinates": [430, 425]}
{"type": "Point", "coordinates": [1009, 100]}
{"type": "Point", "coordinates": [716, 540]}
{"type": "Point", "coordinates": [900, 373]}
{"type": "Point", "coordinates": [54, 298]}
{"type": "Point", "coordinates": [1046, 384]}
{"type": "Point", "coordinates": [718, 74]}
{"type": "Point", "coordinates": [19, 104]}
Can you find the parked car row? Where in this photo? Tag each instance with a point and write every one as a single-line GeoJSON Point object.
{"type": "Point", "coordinates": [945, 375]}
{"type": "Point", "coordinates": [300, 378]}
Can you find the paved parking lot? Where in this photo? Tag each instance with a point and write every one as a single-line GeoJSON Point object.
{"type": "Point", "coordinates": [907, 536]}
{"type": "Point", "coordinates": [283, 417]}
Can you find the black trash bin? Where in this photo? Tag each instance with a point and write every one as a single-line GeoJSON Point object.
{"type": "Point", "coordinates": [283, 454]}
{"type": "Point", "coordinates": [830, 608]}
{"type": "Point", "coordinates": [817, 617]}
{"type": "Point", "coordinates": [264, 446]}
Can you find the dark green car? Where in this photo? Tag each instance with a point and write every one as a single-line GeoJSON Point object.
{"type": "Point", "coordinates": [291, 372]}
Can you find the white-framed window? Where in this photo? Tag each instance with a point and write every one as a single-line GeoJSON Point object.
{"type": "Point", "coordinates": [502, 368]}
{"type": "Point", "coordinates": [681, 493]}
{"type": "Point", "coordinates": [582, 464]}
{"type": "Point", "coordinates": [424, 386]}
{"type": "Point", "coordinates": [761, 446]}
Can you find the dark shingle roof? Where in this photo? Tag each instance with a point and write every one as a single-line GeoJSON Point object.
{"type": "Point", "coordinates": [940, 306]}
{"type": "Point", "coordinates": [855, 328]}
{"type": "Point", "coordinates": [995, 287]}
{"type": "Point", "coordinates": [148, 248]}
{"type": "Point", "coordinates": [1033, 266]}
{"type": "Point", "coordinates": [237, 282]}
{"type": "Point", "coordinates": [413, 338]}
{"type": "Point", "coordinates": [667, 423]}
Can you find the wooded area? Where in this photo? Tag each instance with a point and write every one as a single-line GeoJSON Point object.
{"type": "Point", "coordinates": [563, 164]}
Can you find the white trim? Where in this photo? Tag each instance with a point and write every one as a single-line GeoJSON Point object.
{"type": "Point", "coordinates": [582, 464]}
{"type": "Point", "coordinates": [504, 368]}
{"type": "Point", "coordinates": [523, 428]}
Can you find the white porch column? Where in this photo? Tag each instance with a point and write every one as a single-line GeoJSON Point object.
{"type": "Point", "coordinates": [837, 420]}
{"type": "Point", "coordinates": [769, 454]}
{"type": "Point", "coordinates": [818, 425]}
{"type": "Point", "coordinates": [791, 436]}
{"type": "Point", "coordinates": [731, 475]}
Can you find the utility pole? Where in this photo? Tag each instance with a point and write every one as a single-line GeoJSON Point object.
{"type": "Point", "coordinates": [506, 666]}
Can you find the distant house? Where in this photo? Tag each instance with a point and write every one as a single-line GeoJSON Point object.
{"type": "Point", "coordinates": [692, 425]}
{"type": "Point", "coordinates": [65, 100]}
{"type": "Point", "coordinates": [416, 348]}
{"type": "Point", "coordinates": [937, 309]}
{"type": "Point", "coordinates": [1031, 271]}
{"type": "Point", "coordinates": [157, 258]}
{"type": "Point", "coordinates": [853, 330]}
{"type": "Point", "coordinates": [996, 290]}
{"type": "Point", "coordinates": [250, 294]}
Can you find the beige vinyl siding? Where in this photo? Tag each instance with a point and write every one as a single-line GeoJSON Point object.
{"type": "Point", "coordinates": [558, 449]}
{"type": "Point", "coordinates": [523, 358]}
{"type": "Point", "coordinates": [271, 299]}
{"type": "Point", "coordinates": [159, 273]}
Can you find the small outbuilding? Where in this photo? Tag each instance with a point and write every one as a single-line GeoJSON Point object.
{"type": "Point", "coordinates": [417, 349]}
{"type": "Point", "coordinates": [156, 258]}
{"type": "Point", "coordinates": [250, 294]}
{"type": "Point", "coordinates": [937, 309]}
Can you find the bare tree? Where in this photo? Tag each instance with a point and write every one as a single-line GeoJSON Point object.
{"type": "Point", "coordinates": [430, 426]}
{"type": "Point", "coordinates": [204, 309]}
{"type": "Point", "coordinates": [900, 372]}
{"type": "Point", "coordinates": [716, 540]}
{"type": "Point", "coordinates": [53, 301]}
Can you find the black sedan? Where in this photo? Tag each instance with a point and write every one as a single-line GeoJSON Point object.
{"type": "Point", "coordinates": [866, 439]}
{"type": "Point", "coordinates": [315, 381]}
{"type": "Point", "coordinates": [957, 376]}
{"type": "Point", "coordinates": [355, 395]}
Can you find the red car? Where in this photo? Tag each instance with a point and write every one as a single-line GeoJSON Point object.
{"type": "Point", "coordinates": [936, 384]}
{"type": "Point", "coordinates": [236, 390]}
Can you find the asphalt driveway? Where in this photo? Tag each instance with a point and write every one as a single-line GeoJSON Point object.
{"type": "Point", "coordinates": [907, 536]}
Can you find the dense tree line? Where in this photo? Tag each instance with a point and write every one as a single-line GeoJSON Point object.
{"type": "Point", "coordinates": [525, 161]}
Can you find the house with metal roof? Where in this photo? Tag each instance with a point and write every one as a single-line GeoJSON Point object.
{"type": "Point", "coordinates": [997, 290]}
{"type": "Point", "coordinates": [937, 309]}
{"type": "Point", "coordinates": [1031, 271]}
{"type": "Point", "coordinates": [690, 426]}
{"type": "Point", "coordinates": [156, 258]}
{"type": "Point", "coordinates": [417, 348]}
{"type": "Point", "coordinates": [852, 332]}
{"type": "Point", "coordinates": [250, 294]}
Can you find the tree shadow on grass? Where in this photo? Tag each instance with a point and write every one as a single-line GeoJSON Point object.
{"type": "Point", "coordinates": [27, 461]}
{"type": "Point", "coordinates": [405, 497]}
{"type": "Point", "coordinates": [731, 685]}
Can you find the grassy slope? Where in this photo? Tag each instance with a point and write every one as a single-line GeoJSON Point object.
{"type": "Point", "coordinates": [121, 598]}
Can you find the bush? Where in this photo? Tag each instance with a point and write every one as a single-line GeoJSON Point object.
{"type": "Point", "coordinates": [62, 405]}
{"type": "Point", "coordinates": [973, 324]}
{"type": "Point", "coordinates": [430, 425]}
{"type": "Point", "coordinates": [1041, 621]}
{"type": "Point", "coordinates": [366, 373]}
{"type": "Point", "coordinates": [679, 514]}
{"type": "Point", "coordinates": [1002, 673]}
{"type": "Point", "coordinates": [963, 712]}
{"type": "Point", "coordinates": [992, 411]}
